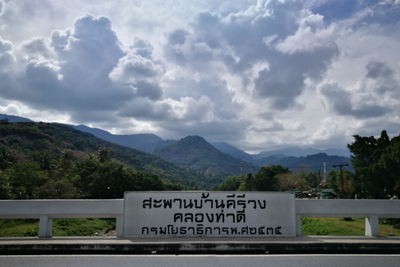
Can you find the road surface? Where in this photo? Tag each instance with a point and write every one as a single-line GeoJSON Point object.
{"type": "Point", "coordinates": [200, 260]}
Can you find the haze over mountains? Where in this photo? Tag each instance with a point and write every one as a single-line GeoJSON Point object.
{"type": "Point", "coordinates": [294, 158]}
{"type": "Point", "coordinates": [219, 159]}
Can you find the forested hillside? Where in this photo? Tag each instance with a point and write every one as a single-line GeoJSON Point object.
{"type": "Point", "coordinates": [197, 154]}
{"type": "Point", "coordinates": [56, 161]}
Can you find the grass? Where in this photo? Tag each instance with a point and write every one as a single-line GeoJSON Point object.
{"type": "Point", "coordinates": [93, 227]}
{"type": "Point", "coordinates": [61, 227]}
{"type": "Point", "coordinates": [26, 227]}
{"type": "Point", "coordinates": [344, 227]}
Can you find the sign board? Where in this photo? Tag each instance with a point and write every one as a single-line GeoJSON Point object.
{"type": "Point", "coordinates": [162, 214]}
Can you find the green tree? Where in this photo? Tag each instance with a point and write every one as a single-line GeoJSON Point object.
{"type": "Point", "coordinates": [103, 155]}
{"type": "Point", "coordinates": [266, 178]}
{"type": "Point", "coordinates": [110, 179]}
{"type": "Point", "coordinates": [247, 183]}
{"type": "Point", "coordinates": [376, 161]}
{"type": "Point", "coordinates": [140, 181]}
{"type": "Point", "coordinates": [390, 162]}
{"type": "Point", "coordinates": [231, 183]}
{"type": "Point", "coordinates": [25, 178]}
{"type": "Point", "coordinates": [6, 160]}
{"type": "Point", "coordinates": [44, 158]}
{"type": "Point", "coordinates": [292, 181]}
{"type": "Point", "coordinates": [58, 189]}
{"type": "Point", "coordinates": [5, 188]}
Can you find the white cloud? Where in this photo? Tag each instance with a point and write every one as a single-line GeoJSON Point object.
{"type": "Point", "coordinates": [254, 73]}
{"type": "Point", "coordinates": [141, 74]}
{"type": "Point", "coordinates": [312, 34]}
{"type": "Point", "coordinates": [6, 55]}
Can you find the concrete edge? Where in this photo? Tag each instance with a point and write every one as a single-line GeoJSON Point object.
{"type": "Point", "coordinates": [309, 245]}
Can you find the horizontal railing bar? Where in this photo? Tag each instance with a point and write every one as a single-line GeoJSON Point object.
{"type": "Point", "coordinates": [348, 208]}
{"type": "Point", "coordinates": [105, 208]}
{"type": "Point", "coordinates": [71, 208]}
{"type": "Point", "coordinates": [113, 208]}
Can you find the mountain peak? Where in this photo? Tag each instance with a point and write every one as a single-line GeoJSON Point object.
{"type": "Point", "coordinates": [188, 146]}
{"type": "Point", "coordinates": [194, 140]}
{"type": "Point", "coordinates": [196, 153]}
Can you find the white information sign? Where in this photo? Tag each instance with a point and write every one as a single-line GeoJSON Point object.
{"type": "Point", "coordinates": [162, 214]}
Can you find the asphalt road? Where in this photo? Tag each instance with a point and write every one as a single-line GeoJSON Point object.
{"type": "Point", "coordinates": [201, 260]}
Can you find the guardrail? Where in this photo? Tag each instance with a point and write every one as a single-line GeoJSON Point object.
{"type": "Point", "coordinates": [46, 210]}
{"type": "Point", "coordinates": [370, 209]}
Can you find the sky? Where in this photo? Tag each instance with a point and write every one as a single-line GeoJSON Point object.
{"type": "Point", "coordinates": [259, 75]}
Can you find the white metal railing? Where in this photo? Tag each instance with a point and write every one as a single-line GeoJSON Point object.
{"type": "Point", "coordinates": [46, 210]}
{"type": "Point", "coordinates": [370, 209]}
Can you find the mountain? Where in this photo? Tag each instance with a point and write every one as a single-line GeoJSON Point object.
{"type": "Point", "coordinates": [204, 158]}
{"type": "Point", "coordinates": [197, 154]}
{"type": "Point", "coordinates": [301, 152]}
{"type": "Point", "coordinates": [308, 163]}
{"type": "Point", "coordinates": [290, 157]}
{"type": "Point", "coordinates": [219, 159]}
{"type": "Point", "coordinates": [25, 138]}
{"type": "Point", "coordinates": [144, 142]}
{"type": "Point", "coordinates": [11, 118]}
{"type": "Point", "coordinates": [233, 151]}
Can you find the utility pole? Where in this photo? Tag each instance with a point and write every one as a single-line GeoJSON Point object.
{"type": "Point", "coordinates": [340, 166]}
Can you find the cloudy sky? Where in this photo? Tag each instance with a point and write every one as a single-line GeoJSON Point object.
{"type": "Point", "coordinates": [256, 74]}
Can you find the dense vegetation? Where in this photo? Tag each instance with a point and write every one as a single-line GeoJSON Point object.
{"type": "Point", "coordinates": [377, 173]}
{"type": "Point", "coordinates": [60, 227]}
{"type": "Point", "coordinates": [266, 179]}
{"type": "Point", "coordinates": [377, 165]}
{"type": "Point", "coordinates": [63, 176]}
{"type": "Point", "coordinates": [197, 154]}
{"type": "Point", "coordinates": [40, 160]}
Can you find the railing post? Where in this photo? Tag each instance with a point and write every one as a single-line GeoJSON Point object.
{"type": "Point", "coordinates": [119, 220]}
{"type": "Point", "coordinates": [298, 225]}
{"type": "Point", "coordinates": [371, 226]}
{"type": "Point", "coordinates": [45, 226]}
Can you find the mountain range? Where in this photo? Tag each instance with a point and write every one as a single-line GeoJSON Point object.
{"type": "Point", "coordinates": [294, 158]}
{"type": "Point", "coordinates": [218, 160]}
{"type": "Point", "coordinates": [22, 139]}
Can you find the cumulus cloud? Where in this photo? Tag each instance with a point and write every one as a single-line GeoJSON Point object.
{"type": "Point", "coordinates": [255, 74]}
{"type": "Point", "coordinates": [311, 34]}
{"type": "Point", "coordinates": [211, 88]}
{"type": "Point", "coordinates": [37, 48]}
{"type": "Point", "coordinates": [142, 48]}
{"type": "Point", "coordinates": [376, 69]}
{"type": "Point", "coordinates": [144, 109]}
{"type": "Point", "coordinates": [88, 73]}
{"type": "Point", "coordinates": [6, 56]}
{"type": "Point", "coordinates": [83, 69]}
{"type": "Point", "coordinates": [340, 102]}
{"type": "Point", "coordinates": [140, 73]}
{"type": "Point", "coordinates": [294, 45]}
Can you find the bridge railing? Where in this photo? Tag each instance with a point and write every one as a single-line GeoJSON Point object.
{"type": "Point", "coordinates": [370, 209]}
{"type": "Point", "coordinates": [46, 210]}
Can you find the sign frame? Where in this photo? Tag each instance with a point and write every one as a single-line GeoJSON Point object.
{"type": "Point", "coordinates": [208, 214]}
